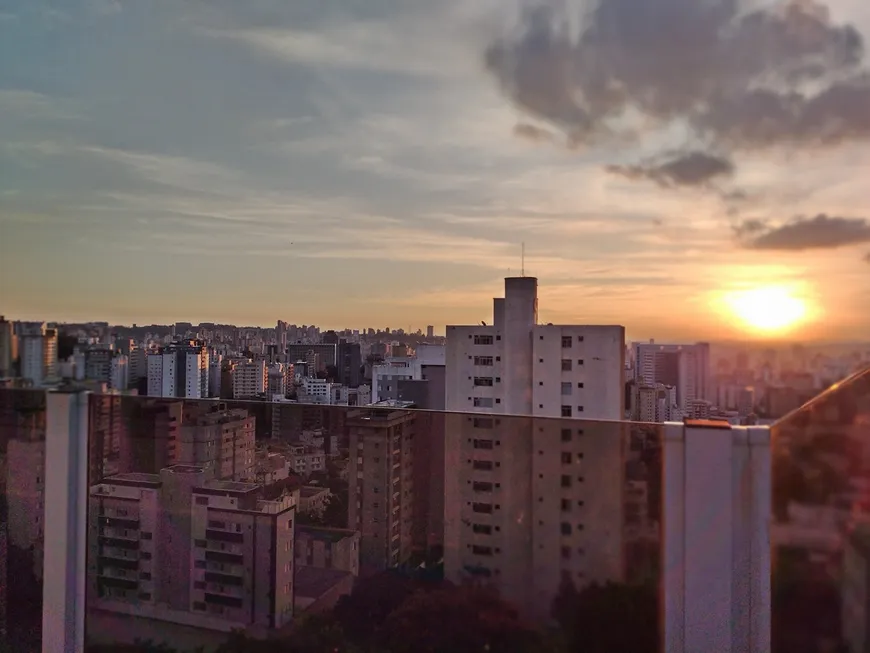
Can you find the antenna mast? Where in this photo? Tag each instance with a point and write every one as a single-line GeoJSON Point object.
{"type": "Point", "coordinates": [523, 272]}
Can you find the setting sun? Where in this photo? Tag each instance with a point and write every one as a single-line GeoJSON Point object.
{"type": "Point", "coordinates": [768, 309]}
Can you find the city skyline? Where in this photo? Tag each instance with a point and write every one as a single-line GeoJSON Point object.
{"type": "Point", "coordinates": [352, 163]}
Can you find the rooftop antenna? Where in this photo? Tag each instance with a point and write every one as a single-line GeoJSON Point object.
{"type": "Point", "coordinates": [523, 272]}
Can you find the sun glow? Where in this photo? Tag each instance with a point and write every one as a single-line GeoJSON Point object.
{"type": "Point", "coordinates": [767, 309]}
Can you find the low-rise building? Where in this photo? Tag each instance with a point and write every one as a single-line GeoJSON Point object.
{"type": "Point", "coordinates": [180, 546]}
{"type": "Point", "coordinates": [328, 548]}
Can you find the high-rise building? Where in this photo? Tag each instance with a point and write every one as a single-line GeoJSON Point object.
{"type": "Point", "coordinates": [518, 367]}
{"type": "Point", "coordinates": [181, 546]}
{"type": "Point", "coordinates": [218, 439]}
{"type": "Point", "coordinates": [430, 331]}
{"type": "Point", "coordinates": [524, 494]}
{"type": "Point", "coordinates": [276, 385]}
{"type": "Point", "coordinates": [349, 363]}
{"type": "Point", "coordinates": [249, 379]}
{"type": "Point", "coordinates": [686, 367]}
{"type": "Point", "coordinates": [38, 351]}
{"type": "Point", "coordinates": [380, 495]}
{"type": "Point", "coordinates": [8, 347]}
{"type": "Point", "coordinates": [179, 370]}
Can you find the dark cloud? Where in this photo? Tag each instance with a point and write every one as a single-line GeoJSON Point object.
{"type": "Point", "coordinates": [820, 232]}
{"type": "Point", "coordinates": [532, 132]}
{"type": "Point", "coordinates": [739, 80]}
{"type": "Point", "coordinates": [685, 169]}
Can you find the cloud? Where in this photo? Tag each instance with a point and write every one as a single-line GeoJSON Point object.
{"type": "Point", "coordinates": [685, 169]}
{"type": "Point", "coordinates": [820, 232]}
{"type": "Point", "coordinates": [866, 258]}
{"type": "Point", "coordinates": [533, 133]}
{"type": "Point", "coordinates": [738, 80]}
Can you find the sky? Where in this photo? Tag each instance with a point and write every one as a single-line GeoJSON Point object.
{"type": "Point", "coordinates": [356, 163]}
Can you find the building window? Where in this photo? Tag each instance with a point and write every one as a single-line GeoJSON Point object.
{"type": "Point", "coordinates": [482, 423]}
{"type": "Point", "coordinates": [483, 529]}
{"type": "Point", "coordinates": [566, 364]}
{"type": "Point", "coordinates": [566, 342]}
{"type": "Point", "coordinates": [481, 486]}
{"type": "Point", "coordinates": [483, 381]}
{"type": "Point", "coordinates": [579, 361]}
{"type": "Point", "coordinates": [579, 409]}
{"type": "Point", "coordinates": [202, 501]}
{"type": "Point", "coordinates": [485, 361]}
{"type": "Point", "coordinates": [481, 550]}
{"type": "Point", "coordinates": [483, 402]}
{"type": "Point", "coordinates": [566, 528]}
{"type": "Point", "coordinates": [566, 505]}
{"type": "Point", "coordinates": [580, 385]}
{"type": "Point", "coordinates": [566, 480]}
{"type": "Point", "coordinates": [484, 465]}
{"type": "Point", "coordinates": [566, 457]}
{"type": "Point", "coordinates": [566, 411]}
{"type": "Point", "coordinates": [566, 389]}
{"type": "Point", "coordinates": [566, 552]}
{"type": "Point", "coordinates": [485, 508]}
{"type": "Point", "coordinates": [566, 435]}
{"type": "Point", "coordinates": [482, 340]}
{"type": "Point", "coordinates": [482, 444]}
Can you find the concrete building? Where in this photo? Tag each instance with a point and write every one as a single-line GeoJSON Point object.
{"type": "Point", "coordinates": [276, 385]}
{"type": "Point", "coordinates": [119, 374]}
{"type": "Point", "coordinates": [380, 494]}
{"type": "Point", "coordinates": [328, 548]}
{"type": "Point", "coordinates": [218, 439]}
{"type": "Point", "coordinates": [38, 352]}
{"type": "Point", "coordinates": [249, 379]}
{"type": "Point", "coordinates": [526, 497]}
{"type": "Point", "coordinates": [532, 501]}
{"type": "Point", "coordinates": [349, 363]}
{"type": "Point", "coordinates": [180, 546]}
{"type": "Point", "coordinates": [519, 367]}
{"type": "Point", "coordinates": [8, 347]}
{"type": "Point", "coordinates": [98, 363]}
{"type": "Point", "coordinates": [179, 370]}
{"type": "Point", "coordinates": [686, 367]}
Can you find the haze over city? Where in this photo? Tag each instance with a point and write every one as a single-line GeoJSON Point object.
{"type": "Point", "coordinates": [381, 163]}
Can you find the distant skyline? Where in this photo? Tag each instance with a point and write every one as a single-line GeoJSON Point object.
{"type": "Point", "coordinates": [382, 162]}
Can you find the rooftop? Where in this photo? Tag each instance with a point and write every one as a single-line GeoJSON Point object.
{"type": "Point", "coordinates": [314, 582]}
{"type": "Point", "coordinates": [323, 534]}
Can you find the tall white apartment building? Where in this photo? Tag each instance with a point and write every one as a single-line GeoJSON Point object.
{"type": "Point", "coordinates": [531, 500]}
{"type": "Point", "coordinates": [249, 379]}
{"type": "Point", "coordinates": [518, 367]}
{"type": "Point", "coordinates": [179, 370]}
{"type": "Point", "coordinates": [180, 546]}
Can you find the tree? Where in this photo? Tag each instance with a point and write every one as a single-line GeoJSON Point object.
{"type": "Point", "coordinates": [609, 618]}
{"type": "Point", "coordinates": [362, 613]}
{"type": "Point", "coordinates": [457, 620]}
{"type": "Point", "coordinates": [137, 647]}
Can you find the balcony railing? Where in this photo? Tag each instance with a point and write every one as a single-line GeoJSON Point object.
{"type": "Point", "coordinates": [641, 537]}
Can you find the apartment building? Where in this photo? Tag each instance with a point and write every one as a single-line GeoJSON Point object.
{"type": "Point", "coordinates": [249, 379]}
{"type": "Point", "coordinates": [531, 500]}
{"type": "Point", "coordinates": [516, 366]}
{"type": "Point", "coordinates": [38, 351]}
{"type": "Point", "coordinates": [685, 367]}
{"type": "Point", "coordinates": [180, 546]}
{"type": "Point", "coordinates": [179, 370]}
{"type": "Point", "coordinates": [380, 495]}
{"type": "Point", "coordinates": [219, 438]}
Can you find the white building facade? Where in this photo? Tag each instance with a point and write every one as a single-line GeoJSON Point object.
{"type": "Point", "coordinates": [523, 493]}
